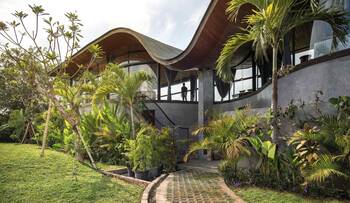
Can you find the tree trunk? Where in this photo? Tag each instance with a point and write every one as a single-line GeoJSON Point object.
{"type": "Point", "coordinates": [68, 117]}
{"type": "Point", "coordinates": [274, 99]}
{"type": "Point", "coordinates": [87, 149]}
{"type": "Point", "coordinates": [132, 120]}
{"type": "Point", "coordinates": [77, 148]}
{"type": "Point", "coordinates": [48, 116]}
{"type": "Point", "coordinates": [25, 133]}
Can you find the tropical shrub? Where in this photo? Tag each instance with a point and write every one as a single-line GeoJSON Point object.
{"type": "Point", "coordinates": [315, 161]}
{"type": "Point", "coordinates": [141, 151]}
{"type": "Point", "coordinates": [127, 85]}
{"type": "Point", "coordinates": [166, 148]}
{"type": "Point", "coordinates": [56, 126]}
{"type": "Point", "coordinates": [106, 132]}
{"type": "Point", "coordinates": [322, 150]}
{"type": "Point", "coordinates": [151, 148]}
{"type": "Point", "coordinates": [227, 134]}
{"type": "Point", "coordinates": [268, 166]}
{"type": "Point", "coordinates": [16, 123]}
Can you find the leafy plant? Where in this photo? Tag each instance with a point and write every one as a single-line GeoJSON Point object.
{"type": "Point", "coordinates": [140, 151]}
{"type": "Point", "coordinates": [16, 122]}
{"type": "Point", "coordinates": [165, 147]}
{"type": "Point", "coordinates": [228, 134]}
{"type": "Point", "coordinates": [322, 151]}
{"type": "Point", "coordinates": [37, 64]}
{"type": "Point", "coordinates": [106, 132]}
{"type": "Point", "coordinates": [127, 86]}
{"type": "Point", "coordinates": [342, 103]}
{"type": "Point", "coordinates": [266, 28]}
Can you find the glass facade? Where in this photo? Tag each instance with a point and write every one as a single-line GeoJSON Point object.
{"type": "Point", "coordinates": [322, 35]}
{"type": "Point", "coordinates": [246, 80]}
{"type": "Point", "coordinates": [168, 85]}
{"type": "Point", "coordinates": [321, 39]}
{"type": "Point", "coordinates": [178, 86]}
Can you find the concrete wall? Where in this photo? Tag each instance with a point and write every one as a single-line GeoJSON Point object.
{"type": "Point", "coordinates": [332, 77]}
{"type": "Point", "coordinates": [182, 114]}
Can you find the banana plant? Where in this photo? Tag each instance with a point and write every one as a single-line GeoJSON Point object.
{"type": "Point", "coordinates": [266, 152]}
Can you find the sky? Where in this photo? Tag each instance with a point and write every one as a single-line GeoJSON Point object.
{"type": "Point", "coordinates": [173, 22]}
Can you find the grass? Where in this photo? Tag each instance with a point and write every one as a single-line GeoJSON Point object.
{"type": "Point", "coordinates": [264, 195]}
{"type": "Point", "coordinates": [25, 177]}
{"type": "Point", "coordinates": [107, 167]}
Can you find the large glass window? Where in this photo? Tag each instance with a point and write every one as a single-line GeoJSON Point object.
{"type": "Point", "coordinates": [178, 85]}
{"type": "Point", "coordinates": [150, 90]}
{"type": "Point", "coordinates": [168, 85]}
{"type": "Point", "coordinates": [320, 39]}
{"type": "Point", "coordinates": [247, 79]}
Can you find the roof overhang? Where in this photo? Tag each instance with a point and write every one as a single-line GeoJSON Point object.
{"type": "Point", "coordinates": [201, 53]}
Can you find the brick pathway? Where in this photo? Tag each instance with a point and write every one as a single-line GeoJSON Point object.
{"type": "Point", "coordinates": [193, 186]}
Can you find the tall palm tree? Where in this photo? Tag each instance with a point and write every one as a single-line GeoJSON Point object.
{"type": "Point", "coordinates": [269, 23]}
{"type": "Point", "coordinates": [114, 80]}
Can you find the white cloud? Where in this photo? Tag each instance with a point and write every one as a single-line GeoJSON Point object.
{"type": "Point", "coordinates": [171, 21]}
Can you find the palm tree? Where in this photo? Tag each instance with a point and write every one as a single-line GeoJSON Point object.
{"type": "Point", "coordinates": [114, 80]}
{"type": "Point", "coordinates": [269, 23]}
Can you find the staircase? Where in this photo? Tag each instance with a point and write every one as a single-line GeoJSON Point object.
{"type": "Point", "coordinates": [180, 134]}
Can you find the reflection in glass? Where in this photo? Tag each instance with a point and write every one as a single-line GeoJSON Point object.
{"type": "Point", "coordinates": [322, 35]}
{"type": "Point", "coordinates": [244, 79]}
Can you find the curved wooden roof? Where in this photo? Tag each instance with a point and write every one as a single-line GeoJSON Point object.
{"type": "Point", "coordinates": [202, 51]}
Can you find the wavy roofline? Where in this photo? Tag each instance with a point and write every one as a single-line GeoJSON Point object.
{"type": "Point", "coordinates": [211, 30]}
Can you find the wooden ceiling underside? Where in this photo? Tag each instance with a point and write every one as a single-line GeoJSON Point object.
{"type": "Point", "coordinates": [201, 53]}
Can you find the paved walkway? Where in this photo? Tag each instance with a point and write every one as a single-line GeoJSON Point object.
{"type": "Point", "coordinates": [193, 186]}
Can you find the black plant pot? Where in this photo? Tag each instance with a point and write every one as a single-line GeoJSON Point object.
{"type": "Point", "coordinates": [143, 175]}
{"type": "Point", "coordinates": [153, 172]}
{"type": "Point", "coordinates": [160, 170]}
{"type": "Point", "coordinates": [130, 172]}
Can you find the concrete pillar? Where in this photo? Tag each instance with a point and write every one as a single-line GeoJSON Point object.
{"type": "Point", "coordinates": [205, 99]}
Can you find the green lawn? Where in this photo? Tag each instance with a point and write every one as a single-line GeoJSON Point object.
{"type": "Point", "coordinates": [25, 177]}
{"type": "Point", "coordinates": [107, 167]}
{"type": "Point", "coordinates": [262, 195]}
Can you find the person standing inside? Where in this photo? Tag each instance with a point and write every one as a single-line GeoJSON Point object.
{"type": "Point", "coordinates": [184, 92]}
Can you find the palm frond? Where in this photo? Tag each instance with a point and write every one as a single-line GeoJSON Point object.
{"type": "Point", "coordinates": [4, 127]}
{"type": "Point", "coordinates": [234, 6]}
{"type": "Point", "coordinates": [235, 148]}
{"type": "Point", "coordinates": [336, 18]}
{"type": "Point", "coordinates": [322, 169]}
{"type": "Point", "coordinates": [343, 141]}
{"type": "Point", "coordinates": [223, 67]}
{"type": "Point", "coordinates": [101, 93]}
{"type": "Point", "coordinates": [201, 145]}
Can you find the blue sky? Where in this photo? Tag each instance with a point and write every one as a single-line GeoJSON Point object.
{"type": "Point", "coordinates": [171, 21]}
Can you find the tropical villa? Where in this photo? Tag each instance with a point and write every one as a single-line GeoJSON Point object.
{"type": "Point", "coordinates": [317, 66]}
{"type": "Point", "coordinates": [255, 109]}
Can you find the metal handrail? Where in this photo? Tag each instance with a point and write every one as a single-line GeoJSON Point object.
{"type": "Point", "coordinates": [163, 112]}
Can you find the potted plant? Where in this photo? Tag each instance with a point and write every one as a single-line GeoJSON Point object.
{"type": "Point", "coordinates": [156, 169]}
{"type": "Point", "coordinates": [166, 150]}
{"type": "Point", "coordinates": [131, 173]}
{"type": "Point", "coordinates": [142, 154]}
{"type": "Point", "coordinates": [130, 146]}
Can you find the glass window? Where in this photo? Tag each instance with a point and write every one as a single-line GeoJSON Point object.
{"type": "Point", "coordinates": [243, 82]}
